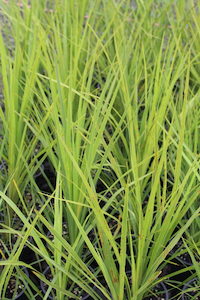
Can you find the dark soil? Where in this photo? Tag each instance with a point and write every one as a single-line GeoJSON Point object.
{"type": "Point", "coordinates": [44, 286]}
{"type": "Point", "coordinates": [10, 292]}
{"type": "Point", "coordinates": [47, 172]}
{"type": "Point", "coordinates": [16, 287]}
{"type": "Point", "coordinates": [159, 292]}
{"type": "Point", "coordinates": [193, 294]}
{"type": "Point", "coordinates": [77, 291]}
{"type": "Point", "coordinates": [184, 258]}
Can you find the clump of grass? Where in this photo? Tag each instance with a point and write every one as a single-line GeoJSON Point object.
{"type": "Point", "coordinates": [108, 88]}
{"type": "Point", "coordinates": [19, 67]}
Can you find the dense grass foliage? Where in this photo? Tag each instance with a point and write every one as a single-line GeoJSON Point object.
{"type": "Point", "coordinates": [100, 141]}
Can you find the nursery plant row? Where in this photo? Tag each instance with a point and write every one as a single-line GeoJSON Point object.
{"type": "Point", "coordinates": [99, 150]}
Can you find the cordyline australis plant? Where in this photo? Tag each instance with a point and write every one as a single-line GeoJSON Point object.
{"type": "Point", "coordinates": [73, 120]}
{"type": "Point", "coordinates": [19, 65]}
{"type": "Point", "coordinates": [72, 117]}
{"type": "Point", "coordinates": [142, 154]}
{"type": "Point", "coordinates": [106, 91]}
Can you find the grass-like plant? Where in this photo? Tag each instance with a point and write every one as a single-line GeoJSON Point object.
{"type": "Point", "coordinates": [19, 66]}
{"type": "Point", "coordinates": [109, 90]}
